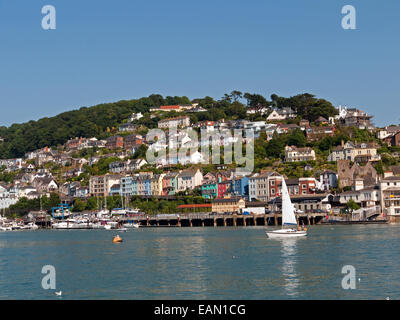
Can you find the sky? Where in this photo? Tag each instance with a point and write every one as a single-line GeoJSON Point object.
{"type": "Point", "coordinates": [105, 51]}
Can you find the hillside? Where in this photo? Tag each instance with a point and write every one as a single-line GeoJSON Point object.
{"type": "Point", "coordinates": [99, 120]}
{"type": "Point", "coordinates": [85, 122]}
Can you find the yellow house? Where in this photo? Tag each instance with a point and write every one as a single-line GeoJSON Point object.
{"type": "Point", "coordinates": [157, 184]}
{"type": "Point", "coordinates": [231, 205]}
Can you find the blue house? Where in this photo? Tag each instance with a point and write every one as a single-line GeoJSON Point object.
{"type": "Point", "coordinates": [240, 186]}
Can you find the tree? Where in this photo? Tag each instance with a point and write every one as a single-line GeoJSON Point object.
{"type": "Point", "coordinates": [256, 100]}
{"type": "Point", "coordinates": [79, 205]}
{"type": "Point", "coordinates": [297, 138]}
{"type": "Point", "coordinates": [352, 205]}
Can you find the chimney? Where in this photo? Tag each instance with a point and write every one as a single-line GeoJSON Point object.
{"type": "Point", "coordinates": [342, 143]}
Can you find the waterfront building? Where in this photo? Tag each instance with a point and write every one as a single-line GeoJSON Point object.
{"type": "Point", "coordinates": [258, 186]}
{"type": "Point", "coordinates": [157, 184]}
{"type": "Point", "coordinates": [240, 187]}
{"type": "Point", "coordinates": [390, 197]}
{"type": "Point", "coordinates": [170, 183]}
{"type": "Point", "coordinates": [231, 205]}
{"type": "Point", "coordinates": [101, 185]}
{"type": "Point", "coordinates": [305, 203]}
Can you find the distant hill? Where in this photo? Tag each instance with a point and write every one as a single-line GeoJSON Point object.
{"type": "Point", "coordinates": [85, 122]}
{"type": "Point", "coordinates": [99, 120]}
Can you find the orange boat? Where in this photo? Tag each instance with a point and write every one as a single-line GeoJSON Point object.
{"type": "Point", "coordinates": [117, 239]}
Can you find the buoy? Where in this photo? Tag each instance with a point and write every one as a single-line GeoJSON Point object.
{"type": "Point", "coordinates": [117, 239]}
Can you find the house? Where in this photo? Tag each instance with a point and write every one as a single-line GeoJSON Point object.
{"type": "Point", "coordinates": [45, 184]}
{"type": "Point", "coordinates": [258, 186]}
{"type": "Point", "coordinates": [258, 109]}
{"type": "Point", "coordinates": [231, 205]}
{"type": "Point", "coordinates": [305, 203]}
{"type": "Point", "coordinates": [304, 124]}
{"type": "Point", "coordinates": [209, 177]}
{"type": "Point", "coordinates": [170, 183]}
{"type": "Point", "coordinates": [135, 164]}
{"type": "Point", "coordinates": [387, 131]}
{"type": "Point", "coordinates": [365, 197]}
{"type": "Point", "coordinates": [189, 179]}
{"type": "Point", "coordinates": [206, 125]}
{"type": "Point", "coordinates": [24, 191]}
{"type": "Point", "coordinates": [117, 167]}
{"type": "Point", "coordinates": [197, 109]}
{"type": "Point", "coordinates": [101, 185]}
{"type": "Point", "coordinates": [73, 144]}
{"type": "Point", "coordinates": [321, 121]}
{"type": "Point", "coordinates": [318, 133]}
{"type": "Point", "coordinates": [127, 127]}
{"type": "Point", "coordinates": [294, 154]}
{"type": "Point", "coordinates": [328, 180]}
{"type": "Point", "coordinates": [115, 142]}
{"type": "Point", "coordinates": [176, 108]}
{"type": "Point", "coordinates": [209, 190]}
{"type": "Point", "coordinates": [157, 184]}
{"type": "Point", "coordinates": [7, 198]}
{"type": "Point", "coordinates": [352, 117]}
{"type": "Point", "coordinates": [348, 174]}
{"type": "Point", "coordinates": [362, 152]}
{"type": "Point", "coordinates": [177, 122]}
{"type": "Point", "coordinates": [135, 116]}
{"type": "Point", "coordinates": [133, 141]}
{"type": "Point", "coordinates": [390, 197]}
{"type": "Point", "coordinates": [393, 140]}
{"type": "Point", "coordinates": [285, 128]}
{"type": "Point", "coordinates": [240, 186]}
{"type": "Point", "coordinates": [281, 114]}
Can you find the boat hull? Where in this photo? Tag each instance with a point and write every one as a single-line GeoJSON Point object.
{"type": "Point", "coordinates": [285, 233]}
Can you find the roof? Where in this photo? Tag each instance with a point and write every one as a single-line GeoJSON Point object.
{"type": "Point", "coordinates": [194, 206]}
{"type": "Point", "coordinates": [223, 200]}
{"type": "Point", "coordinates": [170, 107]}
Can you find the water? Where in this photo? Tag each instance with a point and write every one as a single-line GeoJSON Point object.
{"type": "Point", "coordinates": [202, 263]}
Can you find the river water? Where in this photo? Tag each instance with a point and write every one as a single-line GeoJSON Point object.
{"type": "Point", "coordinates": [202, 263]}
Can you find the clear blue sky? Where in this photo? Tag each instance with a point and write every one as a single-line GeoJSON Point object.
{"type": "Point", "coordinates": [105, 51]}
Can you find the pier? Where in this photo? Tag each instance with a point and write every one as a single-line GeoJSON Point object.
{"type": "Point", "coordinates": [220, 220]}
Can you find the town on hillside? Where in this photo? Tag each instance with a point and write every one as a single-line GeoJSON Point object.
{"type": "Point", "coordinates": [336, 164]}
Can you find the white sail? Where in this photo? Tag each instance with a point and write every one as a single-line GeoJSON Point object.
{"type": "Point", "coordinates": [288, 217]}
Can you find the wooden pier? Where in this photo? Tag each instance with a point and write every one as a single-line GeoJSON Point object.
{"type": "Point", "coordinates": [221, 220]}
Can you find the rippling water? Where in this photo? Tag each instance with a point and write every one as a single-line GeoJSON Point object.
{"type": "Point", "coordinates": [202, 263]}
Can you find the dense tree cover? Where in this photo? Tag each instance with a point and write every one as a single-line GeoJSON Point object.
{"type": "Point", "coordinates": [86, 122]}
{"type": "Point", "coordinates": [306, 106]}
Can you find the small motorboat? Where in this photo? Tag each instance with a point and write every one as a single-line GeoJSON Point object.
{"type": "Point", "coordinates": [117, 239]}
{"type": "Point", "coordinates": [131, 225]}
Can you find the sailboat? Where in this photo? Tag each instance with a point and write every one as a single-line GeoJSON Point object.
{"type": "Point", "coordinates": [288, 218]}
